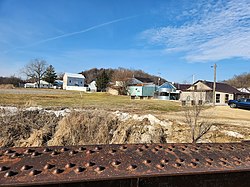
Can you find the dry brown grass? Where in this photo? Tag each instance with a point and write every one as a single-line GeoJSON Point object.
{"type": "Point", "coordinates": [6, 86]}
{"type": "Point", "coordinates": [103, 101]}
{"type": "Point", "coordinates": [84, 128]}
{"type": "Point", "coordinates": [16, 129]}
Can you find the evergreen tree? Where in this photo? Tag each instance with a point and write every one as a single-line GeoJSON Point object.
{"type": "Point", "coordinates": [102, 81]}
{"type": "Point", "coordinates": [50, 74]}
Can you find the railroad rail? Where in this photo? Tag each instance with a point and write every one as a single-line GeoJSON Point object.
{"type": "Point", "coordinates": [133, 165]}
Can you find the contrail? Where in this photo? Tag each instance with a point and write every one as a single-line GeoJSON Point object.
{"type": "Point", "coordinates": [72, 33]}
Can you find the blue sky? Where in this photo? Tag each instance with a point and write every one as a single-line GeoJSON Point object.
{"type": "Point", "coordinates": [173, 39]}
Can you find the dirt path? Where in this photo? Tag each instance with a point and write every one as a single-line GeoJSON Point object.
{"type": "Point", "coordinates": [219, 114]}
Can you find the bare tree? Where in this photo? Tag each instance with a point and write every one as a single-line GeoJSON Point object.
{"type": "Point", "coordinates": [122, 75]}
{"type": "Point", "coordinates": [35, 70]}
{"type": "Point", "coordinates": [198, 127]}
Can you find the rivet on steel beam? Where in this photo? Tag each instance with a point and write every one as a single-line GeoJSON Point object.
{"type": "Point", "coordinates": [27, 151]}
{"type": "Point", "coordinates": [139, 150]}
{"type": "Point", "coordinates": [171, 146]}
{"type": "Point", "coordinates": [177, 165]}
{"type": "Point", "coordinates": [48, 166]}
{"type": "Point", "coordinates": [179, 160]}
{"type": "Point", "coordinates": [35, 153]}
{"type": "Point", "coordinates": [73, 152]}
{"type": "Point", "coordinates": [209, 159]}
{"type": "Point", "coordinates": [57, 171]}
{"type": "Point", "coordinates": [159, 147]}
{"type": "Point", "coordinates": [90, 164]}
{"type": "Point", "coordinates": [15, 155]}
{"type": "Point", "coordinates": [208, 163]}
{"type": "Point", "coordinates": [123, 147]}
{"type": "Point", "coordinates": [193, 164]}
{"type": "Point", "coordinates": [195, 149]}
{"type": "Point", "coordinates": [98, 148]}
{"type": "Point", "coordinates": [90, 151]}
{"type": "Point", "coordinates": [54, 153]}
{"type": "Point", "coordinates": [183, 149]}
{"type": "Point", "coordinates": [155, 150]}
{"type": "Point", "coordinates": [231, 147]}
{"type": "Point", "coordinates": [170, 149]}
{"type": "Point", "coordinates": [8, 151]}
{"type": "Point", "coordinates": [34, 172]}
{"type": "Point", "coordinates": [195, 160]}
{"type": "Point", "coordinates": [10, 174]}
{"type": "Point", "coordinates": [236, 158]}
{"type": "Point", "coordinates": [112, 151]}
{"type": "Point", "coordinates": [223, 159]}
{"type": "Point", "coordinates": [248, 159]}
{"type": "Point", "coordinates": [25, 167]}
{"type": "Point", "coordinates": [237, 163]}
{"type": "Point", "coordinates": [116, 163]}
{"type": "Point", "coordinates": [223, 163]}
{"type": "Point", "coordinates": [82, 149]}
{"type": "Point", "coordinates": [69, 165]}
{"type": "Point", "coordinates": [164, 161]}
{"type": "Point", "coordinates": [147, 162]}
{"type": "Point", "coordinates": [64, 149]}
{"type": "Point", "coordinates": [132, 167]}
{"type": "Point", "coordinates": [3, 168]}
{"type": "Point", "coordinates": [208, 148]}
{"type": "Point", "coordinates": [79, 169]}
{"type": "Point", "coordinates": [145, 147]}
{"type": "Point", "coordinates": [160, 166]}
{"type": "Point", "coordinates": [46, 150]}
{"type": "Point", "coordinates": [99, 169]}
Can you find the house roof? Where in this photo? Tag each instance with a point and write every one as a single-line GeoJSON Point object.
{"type": "Point", "coordinates": [220, 87]}
{"type": "Point", "coordinates": [182, 87]}
{"type": "Point", "coordinates": [76, 75]}
{"type": "Point", "coordinates": [167, 85]}
{"type": "Point", "coordinates": [244, 90]}
{"type": "Point", "coordinates": [144, 80]}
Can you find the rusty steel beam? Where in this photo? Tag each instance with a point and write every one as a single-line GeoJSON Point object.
{"type": "Point", "coordinates": [72, 164]}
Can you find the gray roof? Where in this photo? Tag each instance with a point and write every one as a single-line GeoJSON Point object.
{"type": "Point", "coordinates": [76, 75]}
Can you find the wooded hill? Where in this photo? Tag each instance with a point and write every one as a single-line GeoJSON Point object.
{"type": "Point", "coordinates": [120, 74]}
{"type": "Point", "coordinates": [240, 81]}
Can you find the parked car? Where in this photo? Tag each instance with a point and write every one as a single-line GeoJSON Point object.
{"type": "Point", "coordinates": [241, 103]}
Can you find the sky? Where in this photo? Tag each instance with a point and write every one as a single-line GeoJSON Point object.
{"type": "Point", "coordinates": [168, 38]}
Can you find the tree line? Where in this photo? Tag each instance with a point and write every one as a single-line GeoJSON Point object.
{"type": "Point", "coordinates": [240, 81]}
{"type": "Point", "coordinates": [104, 76]}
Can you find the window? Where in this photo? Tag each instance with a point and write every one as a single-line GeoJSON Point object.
{"type": "Point", "coordinates": [217, 98]}
{"type": "Point", "coordinates": [69, 81]}
{"type": "Point", "coordinates": [226, 98]}
{"type": "Point", "coordinates": [164, 94]}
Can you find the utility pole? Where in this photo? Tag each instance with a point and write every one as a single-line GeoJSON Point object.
{"type": "Point", "coordinates": [214, 87]}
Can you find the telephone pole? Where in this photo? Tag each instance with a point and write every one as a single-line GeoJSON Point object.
{"type": "Point", "coordinates": [214, 87]}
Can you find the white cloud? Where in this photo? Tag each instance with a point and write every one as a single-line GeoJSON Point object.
{"type": "Point", "coordinates": [220, 31]}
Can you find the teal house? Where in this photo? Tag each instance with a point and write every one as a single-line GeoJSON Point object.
{"type": "Point", "coordinates": [142, 91]}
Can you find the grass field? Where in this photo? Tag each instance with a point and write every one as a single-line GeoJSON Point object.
{"type": "Point", "coordinates": [62, 98]}
{"type": "Point", "coordinates": [95, 120]}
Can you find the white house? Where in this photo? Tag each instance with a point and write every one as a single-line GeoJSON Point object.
{"type": "Point", "coordinates": [92, 86]}
{"type": "Point", "coordinates": [73, 81]}
{"type": "Point", "coordinates": [43, 84]}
